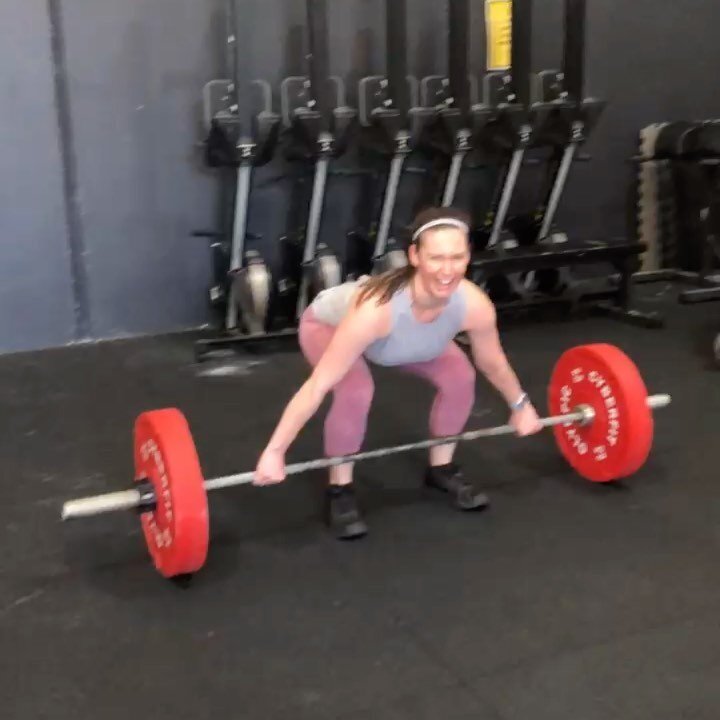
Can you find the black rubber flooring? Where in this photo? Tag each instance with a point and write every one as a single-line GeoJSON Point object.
{"type": "Point", "coordinates": [566, 600]}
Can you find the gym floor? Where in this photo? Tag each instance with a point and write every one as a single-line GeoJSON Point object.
{"type": "Point", "coordinates": [565, 600]}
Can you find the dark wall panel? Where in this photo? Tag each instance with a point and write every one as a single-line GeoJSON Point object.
{"type": "Point", "coordinates": [36, 299]}
{"type": "Point", "coordinates": [653, 62]}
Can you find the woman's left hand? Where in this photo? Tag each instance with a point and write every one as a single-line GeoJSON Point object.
{"type": "Point", "coordinates": [525, 421]}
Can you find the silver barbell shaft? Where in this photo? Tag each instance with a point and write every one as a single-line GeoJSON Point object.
{"type": "Point", "coordinates": [131, 499]}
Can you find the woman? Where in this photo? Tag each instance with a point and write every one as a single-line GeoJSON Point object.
{"type": "Point", "coordinates": [406, 318]}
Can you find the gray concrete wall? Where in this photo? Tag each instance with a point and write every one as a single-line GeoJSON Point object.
{"type": "Point", "coordinates": [101, 184]}
{"type": "Point", "coordinates": [134, 73]}
{"type": "Point", "coordinates": [36, 294]}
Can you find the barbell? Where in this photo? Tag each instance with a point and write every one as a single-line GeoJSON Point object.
{"type": "Point", "coordinates": [602, 422]}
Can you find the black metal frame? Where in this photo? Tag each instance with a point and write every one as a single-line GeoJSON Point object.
{"type": "Point", "coordinates": [319, 59]}
{"type": "Point", "coordinates": [612, 294]}
{"type": "Point", "coordinates": [506, 126]}
{"type": "Point", "coordinates": [393, 126]}
{"type": "Point", "coordinates": [240, 135]}
{"type": "Point", "coordinates": [318, 129]}
{"type": "Point", "coordinates": [574, 50]}
{"type": "Point", "coordinates": [521, 51]}
{"type": "Point", "coordinates": [396, 55]}
{"type": "Point", "coordinates": [458, 47]}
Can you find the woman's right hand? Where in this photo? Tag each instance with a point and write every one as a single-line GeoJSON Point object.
{"type": "Point", "coordinates": [270, 468]}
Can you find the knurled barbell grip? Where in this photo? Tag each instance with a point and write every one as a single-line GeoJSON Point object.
{"type": "Point", "coordinates": [131, 499]}
{"type": "Point", "coordinates": [584, 415]}
{"type": "Point", "coordinates": [295, 468]}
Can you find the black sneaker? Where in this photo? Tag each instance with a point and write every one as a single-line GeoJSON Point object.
{"type": "Point", "coordinates": [343, 514]}
{"type": "Point", "coordinates": [449, 479]}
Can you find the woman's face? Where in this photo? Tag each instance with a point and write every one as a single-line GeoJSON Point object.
{"type": "Point", "coordinates": [441, 258]}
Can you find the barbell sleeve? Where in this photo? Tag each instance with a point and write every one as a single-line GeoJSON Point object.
{"type": "Point", "coordinates": [131, 499]}
{"type": "Point", "coordinates": [99, 504]}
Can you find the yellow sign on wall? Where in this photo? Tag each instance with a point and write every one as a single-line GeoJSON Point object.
{"type": "Point", "coordinates": [498, 27]}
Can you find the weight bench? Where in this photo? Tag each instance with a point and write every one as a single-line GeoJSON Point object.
{"type": "Point", "coordinates": [610, 295]}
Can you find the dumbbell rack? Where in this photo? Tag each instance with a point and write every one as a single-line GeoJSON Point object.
{"type": "Point", "coordinates": [662, 147]}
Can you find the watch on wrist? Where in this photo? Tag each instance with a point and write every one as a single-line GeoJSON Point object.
{"type": "Point", "coordinates": [523, 400]}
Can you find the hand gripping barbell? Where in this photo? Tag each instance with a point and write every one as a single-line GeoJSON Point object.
{"type": "Point", "coordinates": [602, 422]}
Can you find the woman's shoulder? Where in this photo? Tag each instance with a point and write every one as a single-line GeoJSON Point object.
{"type": "Point", "coordinates": [478, 306]}
{"type": "Point", "coordinates": [370, 310]}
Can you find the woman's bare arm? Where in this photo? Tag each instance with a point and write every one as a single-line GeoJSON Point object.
{"type": "Point", "coordinates": [362, 326]}
{"type": "Point", "coordinates": [487, 351]}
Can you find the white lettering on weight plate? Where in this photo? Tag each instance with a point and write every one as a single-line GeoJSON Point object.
{"type": "Point", "coordinates": [572, 432]}
{"type": "Point", "coordinates": [576, 441]}
{"type": "Point", "coordinates": [162, 537]}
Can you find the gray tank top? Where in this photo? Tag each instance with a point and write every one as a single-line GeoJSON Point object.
{"type": "Point", "coordinates": [409, 340]}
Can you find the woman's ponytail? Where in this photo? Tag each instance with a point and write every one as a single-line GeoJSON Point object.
{"type": "Point", "coordinates": [384, 286]}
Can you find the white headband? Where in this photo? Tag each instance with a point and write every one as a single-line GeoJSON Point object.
{"type": "Point", "coordinates": [441, 221]}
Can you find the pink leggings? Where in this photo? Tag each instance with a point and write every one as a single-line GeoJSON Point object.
{"type": "Point", "coordinates": [451, 373]}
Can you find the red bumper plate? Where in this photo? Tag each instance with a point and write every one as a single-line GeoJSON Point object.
{"type": "Point", "coordinates": [177, 531]}
{"type": "Point", "coordinates": [617, 443]}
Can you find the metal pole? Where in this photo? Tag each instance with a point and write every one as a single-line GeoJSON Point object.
{"type": "Point", "coordinates": [129, 499]}
{"type": "Point", "coordinates": [396, 167]}
{"type": "Point", "coordinates": [557, 190]}
{"type": "Point", "coordinates": [313, 229]}
{"type": "Point", "coordinates": [507, 194]}
{"type": "Point", "coordinates": [459, 28]}
{"type": "Point", "coordinates": [242, 196]}
{"type": "Point", "coordinates": [396, 54]}
{"type": "Point", "coordinates": [574, 50]}
{"type": "Point", "coordinates": [319, 58]}
{"type": "Point", "coordinates": [522, 50]}
{"type": "Point", "coordinates": [453, 177]}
